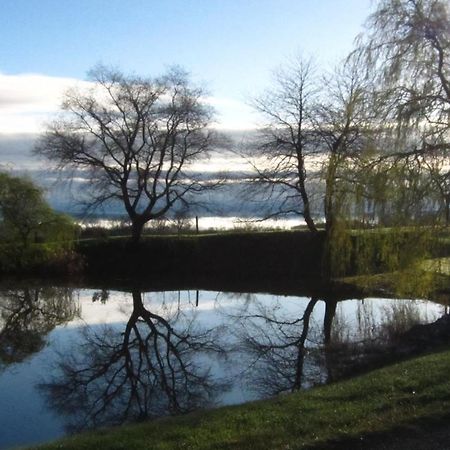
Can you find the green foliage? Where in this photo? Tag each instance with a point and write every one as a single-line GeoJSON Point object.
{"type": "Point", "coordinates": [384, 219]}
{"type": "Point", "coordinates": [379, 250]}
{"type": "Point", "coordinates": [27, 315]}
{"type": "Point", "coordinates": [31, 233]}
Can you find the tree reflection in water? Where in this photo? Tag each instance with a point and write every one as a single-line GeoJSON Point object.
{"type": "Point", "coordinates": [158, 362]}
{"type": "Point", "coordinates": [290, 350]}
{"type": "Point", "coordinates": [276, 347]}
{"type": "Point", "coordinates": [148, 368]}
{"type": "Point", "coordinates": [27, 316]}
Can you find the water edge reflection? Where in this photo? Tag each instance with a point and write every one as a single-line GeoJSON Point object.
{"type": "Point", "coordinates": [106, 357]}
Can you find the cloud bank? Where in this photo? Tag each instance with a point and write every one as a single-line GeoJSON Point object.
{"type": "Point", "coordinates": [28, 101]}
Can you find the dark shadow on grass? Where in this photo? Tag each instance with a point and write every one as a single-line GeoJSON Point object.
{"type": "Point", "coordinates": [424, 434]}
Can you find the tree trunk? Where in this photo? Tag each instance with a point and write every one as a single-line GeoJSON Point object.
{"type": "Point", "coordinates": [301, 345]}
{"type": "Point", "coordinates": [304, 195]}
{"type": "Point", "coordinates": [137, 226]}
{"type": "Point", "coordinates": [447, 211]}
{"type": "Point", "coordinates": [307, 215]}
{"type": "Point", "coordinates": [329, 193]}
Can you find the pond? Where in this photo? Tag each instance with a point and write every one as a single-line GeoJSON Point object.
{"type": "Point", "coordinates": [76, 359]}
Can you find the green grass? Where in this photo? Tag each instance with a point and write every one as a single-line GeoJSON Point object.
{"type": "Point", "coordinates": [380, 402]}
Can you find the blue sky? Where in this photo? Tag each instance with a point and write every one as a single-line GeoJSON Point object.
{"type": "Point", "coordinates": [231, 45]}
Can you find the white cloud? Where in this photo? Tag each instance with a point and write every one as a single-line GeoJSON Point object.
{"type": "Point", "coordinates": [27, 101]}
{"type": "Point", "coordinates": [33, 92]}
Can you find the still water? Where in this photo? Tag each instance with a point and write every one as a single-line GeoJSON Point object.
{"type": "Point", "coordinates": [75, 359]}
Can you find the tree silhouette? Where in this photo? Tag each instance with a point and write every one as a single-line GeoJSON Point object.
{"type": "Point", "coordinates": [280, 151]}
{"type": "Point", "coordinates": [135, 137]}
{"type": "Point", "coordinates": [146, 369]}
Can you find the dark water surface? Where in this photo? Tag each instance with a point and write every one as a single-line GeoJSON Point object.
{"type": "Point", "coordinates": [74, 359]}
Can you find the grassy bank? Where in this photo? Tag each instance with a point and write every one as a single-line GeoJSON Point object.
{"type": "Point", "coordinates": [374, 407]}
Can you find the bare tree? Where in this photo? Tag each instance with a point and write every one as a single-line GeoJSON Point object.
{"type": "Point", "coordinates": [277, 347]}
{"type": "Point", "coordinates": [282, 145]}
{"type": "Point", "coordinates": [313, 121]}
{"type": "Point", "coordinates": [135, 137]}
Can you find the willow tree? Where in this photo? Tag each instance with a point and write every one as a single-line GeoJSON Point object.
{"type": "Point", "coordinates": [407, 46]}
{"type": "Point", "coordinates": [135, 138]}
{"type": "Point", "coordinates": [343, 129]}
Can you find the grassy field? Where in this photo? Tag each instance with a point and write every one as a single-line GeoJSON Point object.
{"type": "Point", "coordinates": [381, 405]}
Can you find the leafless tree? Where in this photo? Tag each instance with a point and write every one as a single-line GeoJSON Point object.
{"type": "Point", "coordinates": [136, 138]}
{"type": "Point", "coordinates": [283, 143]}
{"type": "Point", "coordinates": [314, 122]}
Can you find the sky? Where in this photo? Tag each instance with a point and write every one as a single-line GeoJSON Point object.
{"type": "Point", "coordinates": [230, 46]}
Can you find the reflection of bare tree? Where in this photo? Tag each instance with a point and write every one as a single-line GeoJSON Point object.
{"type": "Point", "coordinates": [287, 354]}
{"type": "Point", "coordinates": [28, 315]}
{"type": "Point", "coordinates": [149, 368]}
{"type": "Point", "coordinates": [278, 348]}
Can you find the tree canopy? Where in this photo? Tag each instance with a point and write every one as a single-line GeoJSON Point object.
{"type": "Point", "coordinates": [135, 137]}
{"type": "Point", "coordinates": [407, 47]}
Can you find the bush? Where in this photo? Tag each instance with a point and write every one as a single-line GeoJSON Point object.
{"type": "Point", "coordinates": [31, 233]}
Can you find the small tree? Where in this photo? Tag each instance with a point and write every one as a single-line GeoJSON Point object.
{"type": "Point", "coordinates": [25, 216]}
{"type": "Point", "coordinates": [135, 137]}
{"type": "Point", "coordinates": [27, 315]}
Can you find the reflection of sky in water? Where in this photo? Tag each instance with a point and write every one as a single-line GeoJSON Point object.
{"type": "Point", "coordinates": [26, 419]}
